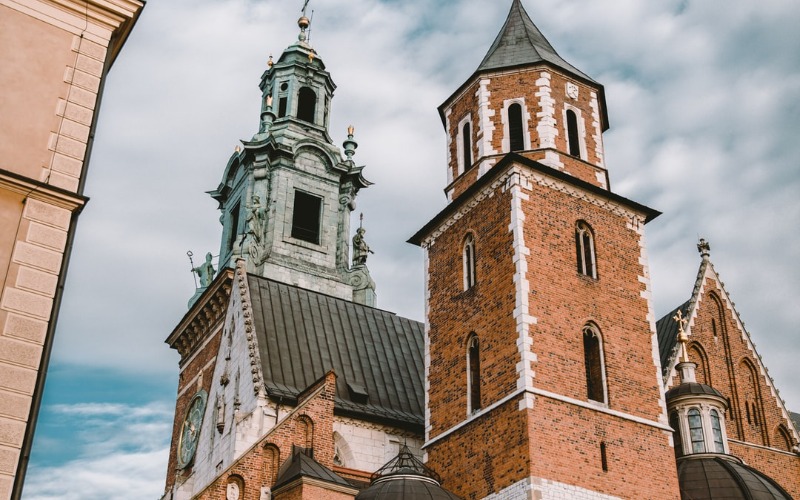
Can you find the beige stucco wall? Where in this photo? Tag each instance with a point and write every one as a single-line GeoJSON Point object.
{"type": "Point", "coordinates": [53, 56]}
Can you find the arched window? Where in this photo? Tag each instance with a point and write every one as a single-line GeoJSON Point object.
{"type": "Point", "coordinates": [584, 248]}
{"type": "Point", "coordinates": [595, 369]}
{"type": "Point", "coordinates": [473, 374]}
{"type": "Point", "coordinates": [466, 144]}
{"type": "Point", "coordinates": [716, 429]}
{"type": "Point", "coordinates": [469, 262]}
{"type": "Point", "coordinates": [516, 137]}
{"type": "Point", "coordinates": [696, 431]}
{"type": "Point", "coordinates": [572, 134]}
{"type": "Point", "coordinates": [674, 422]}
{"type": "Point", "coordinates": [306, 104]}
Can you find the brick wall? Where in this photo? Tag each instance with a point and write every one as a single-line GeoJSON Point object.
{"type": "Point", "coordinates": [723, 352]}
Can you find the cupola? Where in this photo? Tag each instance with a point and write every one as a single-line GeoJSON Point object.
{"type": "Point", "coordinates": [405, 478]}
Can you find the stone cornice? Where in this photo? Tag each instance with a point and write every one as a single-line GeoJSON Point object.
{"type": "Point", "coordinates": [205, 313]}
{"type": "Point", "coordinates": [46, 193]}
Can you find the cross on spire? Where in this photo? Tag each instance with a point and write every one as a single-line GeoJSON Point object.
{"type": "Point", "coordinates": [305, 6]}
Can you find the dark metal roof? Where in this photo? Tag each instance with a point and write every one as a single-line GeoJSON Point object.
{"type": "Point", "coordinates": [795, 419]}
{"type": "Point", "coordinates": [725, 478]}
{"type": "Point", "coordinates": [693, 389]}
{"type": "Point", "coordinates": [376, 355]}
{"type": "Point", "coordinates": [500, 168]}
{"type": "Point", "coordinates": [301, 465]}
{"type": "Point", "coordinates": [667, 333]}
{"type": "Point", "coordinates": [520, 43]}
{"type": "Point", "coordinates": [405, 477]}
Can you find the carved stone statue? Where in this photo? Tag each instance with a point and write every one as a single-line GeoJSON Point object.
{"type": "Point", "coordinates": [232, 492]}
{"type": "Point", "coordinates": [360, 248]}
{"type": "Point", "coordinates": [205, 271]}
{"type": "Point", "coordinates": [256, 229]}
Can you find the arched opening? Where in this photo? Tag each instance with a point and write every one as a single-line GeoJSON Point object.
{"type": "Point", "coordinates": [516, 138]}
{"type": "Point", "coordinates": [593, 360]}
{"type": "Point", "coordinates": [783, 438]}
{"type": "Point", "coordinates": [473, 374]}
{"type": "Point", "coordinates": [306, 434]}
{"type": "Point", "coordinates": [696, 431]}
{"type": "Point", "coordinates": [306, 104]}
{"type": "Point", "coordinates": [584, 249]}
{"type": "Point", "coordinates": [573, 137]}
{"type": "Point", "coordinates": [468, 259]}
{"type": "Point", "coordinates": [272, 461]}
{"type": "Point", "coordinates": [703, 370]}
{"type": "Point", "coordinates": [466, 143]}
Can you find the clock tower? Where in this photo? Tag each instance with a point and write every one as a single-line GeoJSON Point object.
{"type": "Point", "coordinates": [542, 368]}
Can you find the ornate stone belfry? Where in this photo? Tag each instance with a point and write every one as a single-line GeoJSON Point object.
{"type": "Point", "coordinates": [286, 198]}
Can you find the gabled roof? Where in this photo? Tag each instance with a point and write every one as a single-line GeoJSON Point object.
{"type": "Point", "coordinates": [376, 355]}
{"type": "Point", "coordinates": [667, 329]}
{"type": "Point", "coordinates": [301, 465]}
{"type": "Point", "coordinates": [520, 43]}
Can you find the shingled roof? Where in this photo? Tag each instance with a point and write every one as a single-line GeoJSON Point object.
{"type": "Point", "coordinates": [376, 355]}
{"type": "Point", "coordinates": [520, 43]}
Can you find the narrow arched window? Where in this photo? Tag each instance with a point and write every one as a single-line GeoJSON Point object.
{"type": "Point", "coordinates": [696, 431]}
{"type": "Point", "coordinates": [593, 360]}
{"type": "Point", "coordinates": [306, 104]}
{"type": "Point", "coordinates": [674, 422]}
{"type": "Point", "coordinates": [584, 248]}
{"type": "Point", "coordinates": [469, 262]}
{"type": "Point", "coordinates": [473, 374]}
{"type": "Point", "coordinates": [716, 429]}
{"type": "Point", "coordinates": [516, 137]}
{"type": "Point", "coordinates": [572, 134]}
{"type": "Point", "coordinates": [466, 143]}
{"type": "Point", "coordinates": [784, 438]}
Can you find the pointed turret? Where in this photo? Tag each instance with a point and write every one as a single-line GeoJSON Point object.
{"type": "Point", "coordinates": [524, 98]}
{"type": "Point", "coordinates": [520, 43]}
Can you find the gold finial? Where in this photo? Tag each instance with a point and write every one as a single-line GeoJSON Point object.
{"type": "Point", "coordinates": [270, 63]}
{"type": "Point", "coordinates": [683, 338]}
{"type": "Point", "coordinates": [238, 149]}
{"type": "Point", "coordinates": [269, 101]}
{"type": "Point", "coordinates": [311, 56]}
{"type": "Point", "coordinates": [351, 130]}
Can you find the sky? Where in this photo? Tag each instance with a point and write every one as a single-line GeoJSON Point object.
{"type": "Point", "coordinates": [704, 106]}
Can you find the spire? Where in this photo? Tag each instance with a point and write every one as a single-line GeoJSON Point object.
{"type": "Point", "coordinates": [520, 43]}
{"type": "Point", "coordinates": [704, 248]}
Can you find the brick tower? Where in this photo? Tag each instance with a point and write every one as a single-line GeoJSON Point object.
{"type": "Point", "coordinates": [542, 366]}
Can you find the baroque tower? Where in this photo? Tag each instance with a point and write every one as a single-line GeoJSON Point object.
{"type": "Point", "coordinates": [286, 198]}
{"type": "Point", "coordinates": [542, 367]}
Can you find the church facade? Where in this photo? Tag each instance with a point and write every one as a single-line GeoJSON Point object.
{"type": "Point", "coordinates": [540, 371]}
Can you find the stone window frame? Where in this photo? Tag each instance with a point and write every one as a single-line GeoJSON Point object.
{"type": "Point", "coordinates": [683, 433]}
{"type": "Point", "coordinates": [320, 220]}
{"type": "Point", "coordinates": [594, 373]}
{"type": "Point", "coordinates": [585, 234]}
{"type": "Point", "coordinates": [526, 135]}
{"type": "Point", "coordinates": [468, 262]}
{"type": "Point", "coordinates": [461, 164]}
{"type": "Point", "coordinates": [307, 100]}
{"type": "Point", "coordinates": [581, 131]}
{"type": "Point", "coordinates": [473, 371]}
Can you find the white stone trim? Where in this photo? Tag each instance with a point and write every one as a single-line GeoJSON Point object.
{"type": "Point", "coordinates": [581, 130]}
{"type": "Point", "coordinates": [546, 121]}
{"type": "Point", "coordinates": [761, 447]}
{"type": "Point", "coordinates": [544, 489]}
{"type": "Point", "coordinates": [597, 128]}
{"type": "Point", "coordinates": [525, 367]}
{"type": "Point", "coordinates": [485, 133]}
{"type": "Point", "coordinates": [449, 144]}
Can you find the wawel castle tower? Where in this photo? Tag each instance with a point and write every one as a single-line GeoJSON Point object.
{"type": "Point", "coordinates": [540, 371]}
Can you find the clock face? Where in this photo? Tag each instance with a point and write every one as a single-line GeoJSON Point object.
{"type": "Point", "coordinates": [190, 430]}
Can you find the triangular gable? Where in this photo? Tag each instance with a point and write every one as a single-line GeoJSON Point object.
{"type": "Point", "coordinates": [691, 309]}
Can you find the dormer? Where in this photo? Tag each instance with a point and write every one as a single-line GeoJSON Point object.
{"type": "Point", "coordinates": [524, 99]}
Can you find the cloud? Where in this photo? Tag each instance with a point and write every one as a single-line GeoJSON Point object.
{"type": "Point", "coordinates": [116, 451]}
{"type": "Point", "coordinates": [704, 107]}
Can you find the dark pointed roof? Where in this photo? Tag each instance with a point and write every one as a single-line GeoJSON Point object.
{"type": "Point", "coordinates": [377, 356]}
{"type": "Point", "coordinates": [405, 478]}
{"type": "Point", "coordinates": [520, 43]}
{"type": "Point", "coordinates": [301, 465]}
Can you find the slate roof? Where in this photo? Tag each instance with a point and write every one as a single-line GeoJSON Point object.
{"type": "Point", "coordinates": [667, 333]}
{"type": "Point", "coordinates": [796, 420]}
{"type": "Point", "coordinates": [520, 43]}
{"type": "Point", "coordinates": [301, 465]}
{"type": "Point", "coordinates": [376, 355]}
